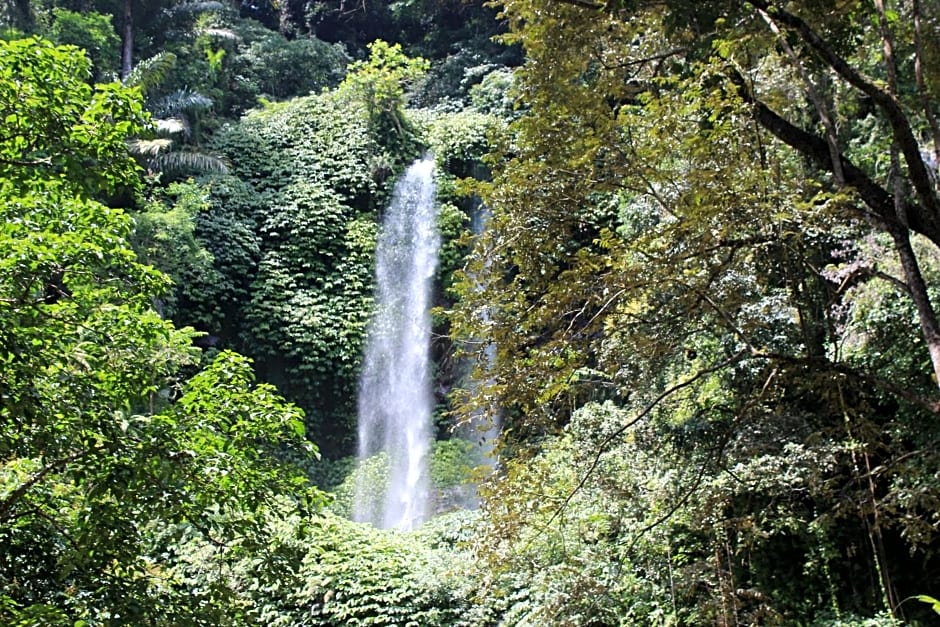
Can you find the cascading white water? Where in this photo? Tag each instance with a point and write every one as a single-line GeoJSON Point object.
{"type": "Point", "coordinates": [482, 430]}
{"type": "Point", "coordinates": [395, 400]}
{"type": "Point", "coordinates": [487, 431]}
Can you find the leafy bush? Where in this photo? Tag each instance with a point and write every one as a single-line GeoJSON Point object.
{"type": "Point", "coordinates": [613, 521]}
{"type": "Point", "coordinates": [320, 571]}
{"type": "Point", "coordinates": [164, 237]}
{"type": "Point", "coordinates": [380, 81]}
{"type": "Point", "coordinates": [279, 68]}
{"type": "Point", "coordinates": [459, 141]}
{"type": "Point", "coordinates": [492, 95]}
{"type": "Point", "coordinates": [355, 575]}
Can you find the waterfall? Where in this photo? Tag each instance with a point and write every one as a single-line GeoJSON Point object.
{"type": "Point", "coordinates": [482, 431]}
{"type": "Point", "coordinates": [395, 400]}
{"type": "Point", "coordinates": [487, 431]}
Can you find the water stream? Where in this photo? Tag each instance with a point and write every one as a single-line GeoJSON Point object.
{"type": "Point", "coordinates": [481, 429]}
{"type": "Point", "coordinates": [395, 400]}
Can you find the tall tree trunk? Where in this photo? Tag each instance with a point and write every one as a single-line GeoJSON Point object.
{"type": "Point", "coordinates": [22, 15]}
{"type": "Point", "coordinates": [127, 49]}
{"type": "Point", "coordinates": [900, 233]}
{"type": "Point", "coordinates": [926, 314]}
{"type": "Point", "coordinates": [923, 92]}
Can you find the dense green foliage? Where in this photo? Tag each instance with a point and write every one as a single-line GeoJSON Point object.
{"type": "Point", "coordinates": [703, 308]}
{"type": "Point", "coordinates": [329, 572]}
{"type": "Point", "coordinates": [672, 237]}
{"type": "Point", "coordinates": [105, 443]}
{"type": "Point", "coordinates": [93, 33]}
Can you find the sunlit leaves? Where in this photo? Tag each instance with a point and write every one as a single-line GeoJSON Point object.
{"type": "Point", "coordinates": [98, 449]}
{"type": "Point", "coordinates": [381, 80]}
{"type": "Point", "coordinates": [44, 94]}
{"type": "Point", "coordinates": [654, 245]}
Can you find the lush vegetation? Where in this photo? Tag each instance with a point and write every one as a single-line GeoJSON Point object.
{"type": "Point", "coordinates": [703, 308]}
{"type": "Point", "coordinates": [710, 278]}
{"type": "Point", "coordinates": [109, 441]}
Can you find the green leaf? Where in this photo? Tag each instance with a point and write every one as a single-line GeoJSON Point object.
{"type": "Point", "coordinates": [929, 600]}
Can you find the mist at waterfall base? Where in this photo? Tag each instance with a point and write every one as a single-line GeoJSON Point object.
{"type": "Point", "coordinates": [395, 400]}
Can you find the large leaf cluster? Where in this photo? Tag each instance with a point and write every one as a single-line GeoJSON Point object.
{"type": "Point", "coordinates": [45, 94]}
{"type": "Point", "coordinates": [251, 64]}
{"type": "Point", "coordinates": [94, 33]}
{"type": "Point", "coordinates": [358, 576]}
{"type": "Point", "coordinates": [278, 68]}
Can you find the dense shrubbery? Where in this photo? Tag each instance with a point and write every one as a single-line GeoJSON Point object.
{"type": "Point", "coordinates": [292, 229]}
{"type": "Point", "coordinates": [325, 571]}
{"type": "Point", "coordinates": [635, 533]}
{"type": "Point", "coordinates": [90, 31]}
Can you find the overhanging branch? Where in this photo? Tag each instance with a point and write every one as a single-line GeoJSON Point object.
{"type": "Point", "coordinates": [885, 100]}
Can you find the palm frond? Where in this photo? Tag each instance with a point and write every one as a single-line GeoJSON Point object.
{"type": "Point", "coordinates": [195, 7]}
{"type": "Point", "coordinates": [220, 33]}
{"type": "Point", "coordinates": [148, 147]}
{"type": "Point", "coordinates": [189, 161]}
{"type": "Point", "coordinates": [151, 72]}
{"type": "Point", "coordinates": [180, 100]}
{"type": "Point", "coordinates": [172, 126]}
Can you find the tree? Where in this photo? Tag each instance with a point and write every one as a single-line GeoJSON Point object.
{"type": "Point", "coordinates": [172, 113]}
{"type": "Point", "coordinates": [671, 233]}
{"type": "Point", "coordinates": [104, 444]}
{"type": "Point", "coordinates": [92, 32]}
{"type": "Point", "coordinates": [46, 95]}
{"type": "Point", "coordinates": [380, 82]}
{"type": "Point", "coordinates": [608, 89]}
